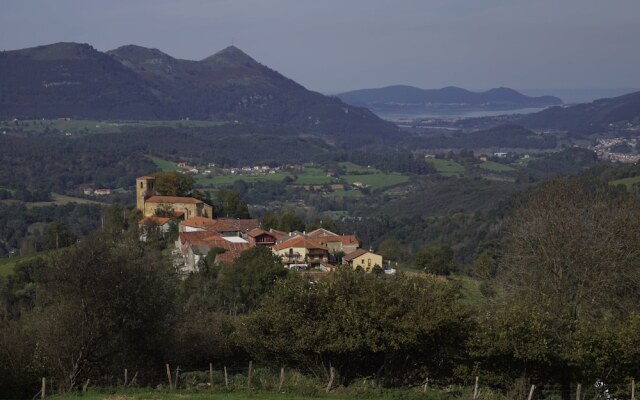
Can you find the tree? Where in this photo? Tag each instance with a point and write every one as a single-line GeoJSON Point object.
{"type": "Point", "coordinates": [230, 205]}
{"type": "Point", "coordinates": [173, 183]}
{"type": "Point", "coordinates": [570, 263]}
{"type": "Point", "coordinates": [574, 244]}
{"type": "Point", "coordinates": [101, 305]}
{"type": "Point", "coordinates": [253, 274]}
{"type": "Point", "coordinates": [361, 324]}
{"type": "Point", "coordinates": [436, 260]}
{"type": "Point", "coordinates": [57, 234]}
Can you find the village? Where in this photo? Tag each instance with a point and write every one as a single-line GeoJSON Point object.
{"type": "Point", "coordinates": [198, 234]}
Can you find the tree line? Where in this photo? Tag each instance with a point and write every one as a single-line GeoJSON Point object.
{"type": "Point", "coordinates": [559, 305]}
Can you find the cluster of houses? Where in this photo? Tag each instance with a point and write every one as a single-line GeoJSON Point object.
{"type": "Point", "coordinates": [198, 234]}
{"type": "Point", "coordinates": [603, 149]}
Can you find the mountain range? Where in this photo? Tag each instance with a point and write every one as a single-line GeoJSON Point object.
{"type": "Point", "coordinates": [587, 118]}
{"type": "Point", "coordinates": [132, 82]}
{"type": "Point", "coordinates": [409, 99]}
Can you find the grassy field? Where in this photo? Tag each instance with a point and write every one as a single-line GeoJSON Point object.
{"type": "Point", "coordinates": [377, 181]}
{"type": "Point", "coordinates": [351, 168]}
{"type": "Point", "coordinates": [628, 182]}
{"type": "Point", "coordinates": [495, 167]}
{"type": "Point", "coordinates": [222, 180]}
{"type": "Point", "coordinates": [60, 199]}
{"type": "Point", "coordinates": [314, 176]}
{"type": "Point", "coordinates": [346, 193]}
{"type": "Point", "coordinates": [163, 165]}
{"type": "Point", "coordinates": [404, 394]}
{"type": "Point", "coordinates": [447, 167]}
{"type": "Point", "coordinates": [95, 126]}
{"type": "Point", "coordinates": [7, 265]}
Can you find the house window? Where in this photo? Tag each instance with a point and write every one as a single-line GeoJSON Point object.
{"type": "Point", "coordinates": [368, 262]}
{"type": "Point", "coordinates": [141, 185]}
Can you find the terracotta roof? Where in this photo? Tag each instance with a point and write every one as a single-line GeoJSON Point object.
{"type": "Point", "coordinates": [154, 220]}
{"type": "Point", "coordinates": [278, 234]}
{"type": "Point", "coordinates": [172, 199]}
{"type": "Point", "coordinates": [198, 222]}
{"type": "Point", "coordinates": [321, 232]}
{"type": "Point", "coordinates": [346, 239]}
{"type": "Point", "coordinates": [146, 177]}
{"type": "Point", "coordinates": [230, 225]}
{"type": "Point", "coordinates": [197, 236]}
{"type": "Point", "coordinates": [257, 232]}
{"type": "Point", "coordinates": [298, 241]}
{"type": "Point", "coordinates": [355, 254]}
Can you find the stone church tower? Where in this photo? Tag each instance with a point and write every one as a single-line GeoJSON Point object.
{"type": "Point", "coordinates": [145, 188]}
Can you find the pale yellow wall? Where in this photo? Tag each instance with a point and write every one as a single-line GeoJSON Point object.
{"type": "Point", "coordinates": [285, 253]}
{"type": "Point", "coordinates": [367, 261]}
{"type": "Point", "coordinates": [189, 209]}
{"type": "Point", "coordinates": [144, 188]}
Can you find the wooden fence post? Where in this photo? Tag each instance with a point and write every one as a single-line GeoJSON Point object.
{"type": "Point", "coordinates": [426, 385]}
{"type": "Point", "coordinates": [175, 383]}
{"type": "Point", "coordinates": [210, 374]}
{"type": "Point", "coordinates": [533, 387]}
{"type": "Point", "coordinates": [281, 379]}
{"type": "Point", "coordinates": [578, 390]}
{"type": "Point", "coordinates": [169, 377]}
{"type": "Point", "coordinates": [249, 375]}
{"type": "Point", "coordinates": [633, 389]}
{"type": "Point", "coordinates": [332, 374]}
{"type": "Point", "coordinates": [43, 391]}
{"type": "Point", "coordinates": [126, 378]}
{"type": "Point", "coordinates": [226, 378]}
{"type": "Point", "coordinates": [475, 389]}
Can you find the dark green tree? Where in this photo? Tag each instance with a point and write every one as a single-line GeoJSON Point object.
{"type": "Point", "coordinates": [436, 260]}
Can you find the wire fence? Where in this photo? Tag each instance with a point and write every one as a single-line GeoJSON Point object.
{"type": "Point", "coordinates": [287, 380]}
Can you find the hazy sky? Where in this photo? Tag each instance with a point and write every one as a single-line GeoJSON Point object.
{"type": "Point", "coordinates": [338, 45]}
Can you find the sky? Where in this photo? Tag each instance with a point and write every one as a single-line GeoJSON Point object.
{"type": "Point", "coordinates": [333, 46]}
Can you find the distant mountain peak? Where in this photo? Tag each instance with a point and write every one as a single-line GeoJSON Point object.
{"type": "Point", "coordinates": [58, 51]}
{"type": "Point", "coordinates": [231, 56]}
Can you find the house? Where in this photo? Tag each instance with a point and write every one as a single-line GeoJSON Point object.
{"type": "Point", "coordinates": [159, 224]}
{"type": "Point", "coordinates": [102, 192]}
{"type": "Point", "coordinates": [195, 246]}
{"type": "Point", "coordinates": [233, 227]}
{"type": "Point", "coordinates": [364, 259]}
{"type": "Point", "coordinates": [301, 252]}
{"type": "Point", "coordinates": [260, 237]}
{"type": "Point", "coordinates": [195, 224]}
{"type": "Point", "coordinates": [149, 202]}
{"type": "Point", "coordinates": [334, 242]}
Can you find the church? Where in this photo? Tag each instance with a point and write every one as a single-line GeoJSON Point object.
{"type": "Point", "coordinates": [149, 202]}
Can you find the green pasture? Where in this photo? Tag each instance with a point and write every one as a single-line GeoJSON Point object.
{"type": "Point", "coordinates": [377, 181]}
{"type": "Point", "coordinates": [495, 167]}
{"type": "Point", "coordinates": [447, 167]}
{"type": "Point", "coordinates": [346, 193]}
{"type": "Point", "coordinates": [60, 199]}
{"type": "Point", "coordinates": [222, 180]}
{"type": "Point", "coordinates": [163, 165]}
{"type": "Point", "coordinates": [351, 168]}
{"type": "Point", "coordinates": [96, 126]}
{"type": "Point", "coordinates": [628, 182]}
{"type": "Point", "coordinates": [314, 176]}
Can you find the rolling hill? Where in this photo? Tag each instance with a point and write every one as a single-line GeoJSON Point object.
{"type": "Point", "coordinates": [408, 98]}
{"type": "Point", "coordinates": [588, 117]}
{"type": "Point", "coordinates": [132, 82]}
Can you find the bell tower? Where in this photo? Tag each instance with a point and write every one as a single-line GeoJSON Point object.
{"type": "Point", "coordinates": [144, 189]}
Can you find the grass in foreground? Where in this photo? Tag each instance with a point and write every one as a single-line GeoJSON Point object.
{"type": "Point", "coordinates": [338, 394]}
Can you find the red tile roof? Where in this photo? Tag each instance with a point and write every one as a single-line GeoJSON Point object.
{"type": "Point", "coordinates": [232, 225]}
{"type": "Point", "coordinates": [321, 232]}
{"type": "Point", "coordinates": [172, 199]}
{"type": "Point", "coordinates": [355, 254]}
{"type": "Point", "coordinates": [198, 222]}
{"type": "Point", "coordinates": [154, 220]}
{"type": "Point", "coordinates": [299, 241]}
